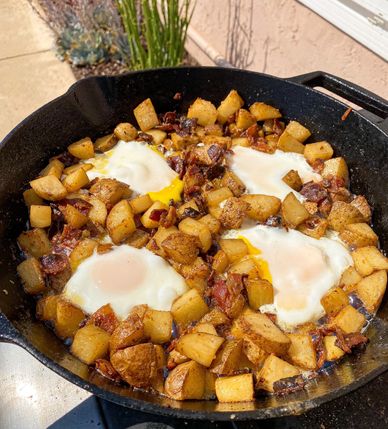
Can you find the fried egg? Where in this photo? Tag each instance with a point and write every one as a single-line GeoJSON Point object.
{"type": "Point", "coordinates": [262, 173]}
{"type": "Point", "coordinates": [301, 269]}
{"type": "Point", "coordinates": [140, 166]}
{"type": "Point", "coordinates": [124, 277]}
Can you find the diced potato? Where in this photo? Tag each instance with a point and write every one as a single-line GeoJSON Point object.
{"type": "Point", "coordinates": [368, 259]}
{"type": "Point", "coordinates": [186, 381]}
{"type": "Point", "coordinates": [138, 239]}
{"type": "Point", "coordinates": [105, 318]}
{"type": "Point", "coordinates": [68, 319]}
{"type": "Point", "coordinates": [314, 227]}
{"type": "Point", "coordinates": [244, 119]}
{"type": "Point", "coordinates": [46, 308]}
{"type": "Point", "coordinates": [245, 266]}
{"type": "Point", "coordinates": [288, 143]}
{"type": "Point", "coordinates": [298, 131]}
{"type": "Point", "coordinates": [216, 317]}
{"type": "Point", "coordinates": [359, 235]}
{"type": "Point", "coordinates": [293, 180]}
{"type": "Point", "coordinates": [261, 207]}
{"type": "Point", "coordinates": [332, 352]}
{"type": "Point", "coordinates": [85, 166]}
{"type": "Point", "coordinates": [188, 308]}
{"type": "Point", "coordinates": [32, 277]}
{"type": "Point", "coordinates": [54, 168]}
{"type": "Point", "coordinates": [98, 212]}
{"type": "Point", "coordinates": [212, 223]}
{"type": "Point", "coordinates": [196, 274]}
{"type": "Point", "coordinates": [74, 217]}
{"type": "Point", "coordinates": [90, 343]}
{"type": "Point", "coordinates": [319, 150]}
{"type": "Point", "coordinates": [197, 229]}
{"type": "Point", "coordinates": [215, 212]}
{"type": "Point", "coordinates": [343, 214]}
{"type": "Point", "coordinates": [274, 369]}
{"type": "Point", "coordinates": [204, 111]}
{"type": "Point", "coordinates": [125, 131]}
{"type": "Point", "coordinates": [206, 328]}
{"type": "Point", "coordinates": [35, 242]}
{"type": "Point", "coordinates": [235, 248]}
{"type": "Point", "coordinates": [240, 141]}
{"type": "Point", "coordinates": [371, 290]}
{"type": "Point", "coordinates": [237, 388]}
{"type": "Point", "coordinates": [40, 216]}
{"type": "Point", "coordinates": [228, 358]}
{"type": "Point", "coordinates": [158, 326]}
{"type": "Point", "coordinates": [158, 136]}
{"type": "Point", "coordinates": [147, 220]}
{"type": "Point", "coordinates": [293, 211]}
{"type": "Point", "coordinates": [188, 209]}
{"type": "Point", "coordinates": [231, 181]}
{"type": "Point", "coordinates": [200, 347]}
{"type": "Point", "coordinates": [141, 203]}
{"type": "Point", "coordinates": [180, 142]}
{"type": "Point", "coordinates": [336, 167]}
{"type": "Point", "coordinates": [210, 385]}
{"type": "Point", "coordinates": [349, 320]}
{"type": "Point", "coordinates": [32, 198]}
{"type": "Point", "coordinates": [220, 262]}
{"type": "Point", "coordinates": [361, 203]}
{"type": "Point", "coordinates": [82, 149]}
{"type": "Point", "coordinates": [105, 143]}
{"type": "Point", "coordinates": [175, 358]}
{"type": "Point", "coordinates": [224, 142]}
{"type": "Point", "coordinates": [120, 222]}
{"type": "Point", "coordinates": [49, 187]}
{"type": "Point", "coordinates": [349, 279]}
{"type": "Point", "coordinates": [145, 115]}
{"type": "Point", "coordinates": [181, 247]}
{"type": "Point", "coordinates": [260, 292]}
{"type": "Point", "coordinates": [302, 351]}
{"type": "Point", "coordinates": [262, 111]}
{"type": "Point", "coordinates": [76, 180]}
{"type": "Point", "coordinates": [229, 106]}
{"type": "Point", "coordinates": [214, 198]}
{"type": "Point", "coordinates": [255, 354]}
{"type": "Point", "coordinates": [81, 251]}
{"type": "Point", "coordinates": [334, 301]}
{"type": "Point", "coordinates": [233, 213]}
{"type": "Point", "coordinates": [162, 233]}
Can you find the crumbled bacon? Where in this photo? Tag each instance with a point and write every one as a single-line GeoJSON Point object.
{"type": "Point", "coordinates": [190, 212]}
{"type": "Point", "coordinates": [105, 368]}
{"type": "Point", "coordinates": [144, 137]}
{"type": "Point", "coordinates": [54, 263]}
{"type": "Point", "coordinates": [178, 96]}
{"type": "Point", "coordinates": [288, 385]}
{"type": "Point", "coordinates": [347, 342]}
{"type": "Point", "coordinates": [325, 206]}
{"type": "Point", "coordinates": [214, 172]}
{"type": "Point", "coordinates": [64, 243]}
{"type": "Point", "coordinates": [177, 164]}
{"type": "Point", "coordinates": [187, 125]}
{"type": "Point", "coordinates": [226, 292]}
{"type": "Point", "coordinates": [66, 158]}
{"type": "Point", "coordinates": [81, 205]}
{"type": "Point", "coordinates": [261, 145]}
{"type": "Point", "coordinates": [314, 192]}
{"type": "Point", "coordinates": [156, 214]}
{"type": "Point", "coordinates": [318, 165]}
{"type": "Point", "coordinates": [168, 218]}
{"type": "Point", "coordinates": [278, 127]}
{"type": "Point", "coordinates": [215, 152]}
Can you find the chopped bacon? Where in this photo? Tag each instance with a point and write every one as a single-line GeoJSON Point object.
{"type": "Point", "coordinates": [261, 145]}
{"type": "Point", "coordinates": [168, 218]}
{"type": "Point", "coordinates": [226, 292]}
{"type": "Point", "coordinates": [177, 164]}
{"type": "Point", "coordinates": [314, 192]}
{"type": "Point", "coordinates": [81, 205]}
{"type": "Point", "coordinates": [104, 318]}
{"type": "Point", "coordinates": [347, 342]}
{"type": "Point", "coordinates": [178, 96]}
{"type": "Point", "coordinates": [288, 385]}
{"type": "Point", "coordinates": [65, 242]}
{"type": "Point", "coordinates": [54, 263]}
{"type": "Point", "coordinates": [187, 125]}
{"type": "Point", "coordinates": [215, 152]}
{"type": "Point", "coordinates": [214, 172]}
{"type": "Point", "coordinates": [66, 158]}
{"type": "Point", "coordinates": [105, 368]}
{"type": "Point", "coordinates": [252, 133]}
{"type": "Point", "coordinates": [278, 127]}
{"type": "Point", "coordinates": [144, 137]}
{"type": "Point", "coordinates": [157, 214]}
{"type": "Point", "coordinates": [318, 165]}
{"type": "Point", "coordinates": [325, 206]}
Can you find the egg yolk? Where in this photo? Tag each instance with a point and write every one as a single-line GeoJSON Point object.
{"type": "Point", "coordinates": [261, 264]}
{"type": "Point", "coordinates": [170, 192]}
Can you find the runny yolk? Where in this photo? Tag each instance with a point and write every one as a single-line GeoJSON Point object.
{"type": "Point", "coordinates": [170, 192]}
{"type": "Point", "coordinates": [261, 264]}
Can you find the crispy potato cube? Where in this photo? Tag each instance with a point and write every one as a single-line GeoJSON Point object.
{"type": "Point", "coordinates": [288, 143]}
{"type": "Point", "coordinates": [138, 239]}
{"type": "Point", "coordinates": [90, 343]}
{"type": "Point", "coordinates": [255, 354]}
{"type": "Point", "coordinates": [343, 214]}
{"type": "Point", "coordinates": [240, 141]}
{"type": "Point", "coordinates": [293, 180]}
{"type": "Point", "coordinates": [302, 351]}
{"type": "Point", "coordinates": [81, 251]}
{"type": "Point", "coordinates": [237, 388]}
{"type": "Point", "coordinates": [220, 262]}
{"type": "Point", "coordinates": [85, 166]}
{"type": "Point", "coordinates": [125, 131]}
{"type": "Point", "coordinates": [34, 242]}
{"type": "Point", "coordinates": [261, 207]}
{"type": "Point", "coordinates": [74, 217]}
{"type": "Point", "coordinates": [215, 212]}
{"type": "Point", "coordinates": [371, 290]}
{"type": "Point", "coordinates": [210, 385]}
{"type": "Point", "coordinates": [188, 308]}
{"type": "Point", "coordinates": [233, 213]}
{"type": "Point", "coordinates": [332, 352]}
{"type": "Point", "coordinates": [359, 235]}
{"type": "Point", "coordinates": [32, 198]}
{"type": "Point", "coordinates": [46, 308]}
{"type": "Point", "coordinates": [235, 248]}
{"type": "Point", "coordinates": [204, 111]}
{"type": "Point", "coordinates": [200, 347]}
{"type": "Point", "coordinates": [175, 358]}
{"type": "Point", "coordinates": [141, 203]}
{"type": "Point", "coordinates": [196, 274]}
{"type": "Point", "coordinates": [158, 326]}
{"type": "Point", "coordinates": [145, 115]}
{"type": "Point", "coordinates": [349, 279]}
{"type": "Point", "coordinates": [32, 277]}
{"type": "Point", "coordinates": [229, 106]}
{"type": "Point", "coordinates": [158, 136]}
{"type": "Point", "coordinates": [105, 143]}
{"type": "Point", "coordinates": [298, 131]}
{"type": "Point", "coordinates": [349, 320]}
{"type": "Point", "coordinates": [40, 216]}
{"type": "Point", "coordinates": [212, 223]}
{"type": "Point", "coordinates": [76, 180]}
{"type": "Point", "coordinates": [105, 318]}
{"type": "Point", "coordinates": [361, 203]}
{"type": "Point", "coordinates": [49, 187]}
{"type": "Point", "coordinates": [215, 316]}
{"type": "Point", "coordinates": [67, 319]}
{"type": "Point", "coordinates": [293, 211]}
{"type": "Point", "coordinates": [98, 212]}
{"type": "Point", "coordinates": [186, 381]}
{"type": "Point", "coordinates": [197, 229]}
{"type": "Point", "coordinates": [231, 181]}
{"type": "Point", "coordinates": [368, 259]}
{"type": "Point", "coordinates": [54, 168]}
{"type": "Point", "coordinates": [214, 198]}
{"type": "Point", "coordinates": [314, 227]}
{"type": "Point", "coordinates": [262, 111]}
{"type": "Point", "coordinates": [274, 369]}
{"type": "Point", "coordinates": [245, 266]}
{"type": "Point", "coordinates": [244, 119]}
{"type": "Point", "coordinates": [82, 149]}
{"type": "Point", "coordinates": [109, 191]}
{"type": "Point", "coordinates": [120, 222]}
{"type": "Point", "coordinates": [260, 292]}
{"type": "Point", "coordinates": [206, 328]}
{"type": "Point", "coordinates": [162, 233]}
{"type": "Point", "coordinates": [319, 150]}
{"type": "Point", "coordinates": [336, 167]}
{"type": "Point", "coordinates": [334, 301]}
{"type": "Point", "coordinates": [188, 209]}
{"type": "Point", "coordinates": [228, 358]}
{"type": "Point", "coordinates": [181, 247]}
{"type": "Point", "coordinates": [147, 220]}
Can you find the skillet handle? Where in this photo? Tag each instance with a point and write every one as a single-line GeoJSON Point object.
{"type": "Point", "coordinates": [348, 90]}
{"type": "Point", "coordinates": [8, 334]}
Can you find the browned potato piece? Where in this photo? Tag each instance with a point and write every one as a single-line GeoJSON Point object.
{"type": "Point", "coordinates": [214, 198]}
{"type": "Point", "coordinates": [158, 326]}
{"type": "Point", "coordinates": [147, 220]}
{"type": "Point", "coordinates": [98, 212]}
{"type": "Point", "coordinates": [190, 208]}
{"type": "Point", "coordinates": [67, 319]}
{"type": "Point", "coordinates": [233, 213]}
{"type": "Point", "coordinates": [204, 111]}
{"type": "Point", "coordinates": [54, 168]}
{"type": "Point", "coordinates": [229, 106]}
{"type": "Point", "coordinates": [343, 214]}
{"type": "Point", "coordinates": [334, 301]}
{"type": "Point", "coordinates": [32, 198]}
{"type": "Point", "coordinates": [125, 131]}
{"type": "Point", "coordinates": [162, 233]}
{"type": "Point", "coordinates": [76, 180]}
{"type": "Point", "coordinates": [145, 115]}
{"type": "Point", "coordinates": [244, 119]}
{"type": "Point", "coordinates": [237, 388]}
{"type": "Point", "coordinates": [212, 223]}
{"type": "Point", "coordinates": [262, 111]}
{"type": "Point", "coordinates": [240, 141]}
{"type": "Point", "coordinates": [349, 279]}
{"type": "Point", "coordinates": [82, 149]}
{"type": "Point", "coordinates": [368, 259]}
{"type": "Point", "coordinates": [81, 251]}
{"type": "Point", "coordinates": [141, 203]}
{"type": "Point", "coordinates": [136, 365]}
{"type": "Point", "coordinates": [293, 211]}
{"type": "Point", "coordinates": [319, 150]}
{"type": "Point", "coordinates": [120, 222]}
{"type": "Point", "coordinates": [246, 266]}
{"type": "Point", "coordinates": [260, 292]}
{"type": "Point", "coordinates": [186, 381]}
{"type": "Point", "coordinates": [336, 167]}
{"type": "Point", "coordinates": [274, 369]}
{"type": "Point", "coordinates": [314, 227]}
{"type": "Point", "coordinates": [31, 276]}
{"type": "Point", "coordinates": [288, 143]}
{"type": "Point", "coordinates": [261, 207]}
{"type": "Point", "coordinates": [298, 131]}
{"type": "Point", "coordinates": [138, 239]}
{"type": "Point", "coordinates": [302, 351]}
{"type": "Point", "coordinates": [210, 385]}
{"type": "Point", "coordinates": [235, 248]}
{"type": "Point", "coordinates": [181, 247]}
{"type": "Point", "coordinates": [188, 308]}
{"type": "Point", "coordinates": [206, 328]}
{"type": "Point", "coordinates": [253, 352]}
{"type": "Point", "coordinates": [332, 352]}
{"type": "Point", "coordinates": [227, 358]}
{"type": "Point", "coordinates": [197, 229]}
{"type": "Point", "coordinates": [293, 180]}
{"type": "Point", "coordinates": [362, 204]}
{"type": "Point", "coordinates": [196, 274]}
{"type": "Point", "coordinates": [371, 290]}
{"type": "Point", "coordinates": [175, 358]}
{"type": "Point", "coordinates": [349, 320]}
{"type": "Point", "coordinates": [103, 144]}
{"type": "Point", "coordinates": [74, 217]}
{"type": "Point", "coordinates": [158, 136]}
{"type": "Point", "coordinates": [231, 181]}
{"type": "Point", "coordinates": [46, 308]}
{"type": "Point", "coordinates": [35, 242]}
{"type": "Point", "coordinates": [90, 343]}
{"type": "Point", "coordinates": [49, 187]}
{"type": "Point", "coordinates": [74, 167]}
{"type": "Point", "coordinates": [110, 191]}
{"type": "Point", "coordinates": [220, 262]}
{"type": "Point", "coordinates": [40, 216]}
{"type": "Point", "coordinates": [105, 318]}
{"type": "Point", "coordinates": [359, 235]}
{"type": "Point", "coordinates": [200, 347]}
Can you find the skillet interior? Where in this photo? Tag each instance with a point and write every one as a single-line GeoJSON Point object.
{"type": "Point", "coordinates": [93, 107]}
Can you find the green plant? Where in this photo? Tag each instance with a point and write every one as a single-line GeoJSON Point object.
{"type": "Point", "coordinates": [156, 31]}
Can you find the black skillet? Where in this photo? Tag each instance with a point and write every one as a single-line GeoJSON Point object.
{"type": "Point", "coordinates": [93, 107]}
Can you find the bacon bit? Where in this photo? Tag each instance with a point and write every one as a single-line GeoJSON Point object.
{"type": "Point", "coordinates": [105, 368]}
{"type": "Point", "coordinates": [65, 242]}
{"type": "Point", "coordinates": [215, 152]}
{"type": "Point", "coordinates": [144, 137]}
{"type": "Point", "coordinates": [251, 133]}
{"type": "Point", "coordinates": [288, 385]}
{"type": "Point", "coordinates": [54, 263]}
{"type": "Point", "coordinates": [177, 164]}
{"type": "Point", "coordinates": [325, 207]}
{"type": "Point", "coordinates": [314, 192]}
{"type": "Point", "coordinates": [81, 205]}
{"type": "Point", "coordinates": [261, 145]}
{"type": "Point", "coordinates": [57, 220]}
{"type": "Point", "coordinates": [187, 125]}
{"type": "Point", "coordinates": [66, 158]}
{"type": "Point", "coordinates": [190, 212]}
{"type": "Point", "coordinates": [104, 318]}
{"type": "Point", "coordinates": [215, 171]}
{"type": "Point", "coordinates": [178, 96]}
{"type": "Point", "coordinates": [318, 165]}
{"type": "Point", "coordinates": [156, 214]}
{"type": "Point", "coordinates": [278, 127]}
{"type": "Point", "coordinates": [226, 292]}
{"type": "Point", "coordinates": [346, 114]}
{"type": "Point", "coordinates": [347, 342]}
{"type": "Point", "coordinates": [168, 218]}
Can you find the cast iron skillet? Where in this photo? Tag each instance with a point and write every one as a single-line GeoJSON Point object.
{"type": "Point", "coordinates": [93, 107]}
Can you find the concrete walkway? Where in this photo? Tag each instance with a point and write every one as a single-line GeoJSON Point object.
{"type": "Point", "coordinates": [30, 73]}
